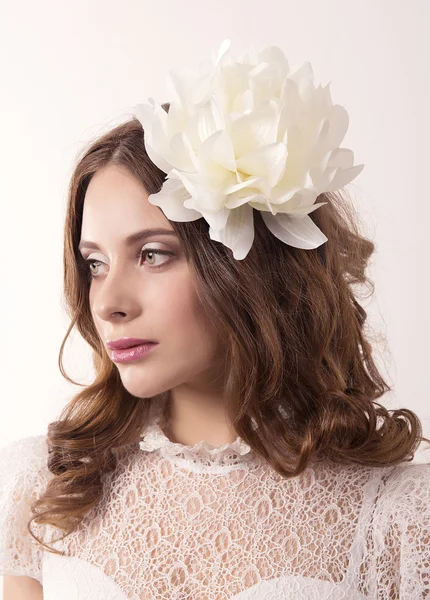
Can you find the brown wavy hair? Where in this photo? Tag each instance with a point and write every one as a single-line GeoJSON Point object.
{"type": "Point", "coordinates": [302, 383]}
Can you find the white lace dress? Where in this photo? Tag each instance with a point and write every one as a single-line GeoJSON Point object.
{"type": "Point", "coordinates": [217, 523]}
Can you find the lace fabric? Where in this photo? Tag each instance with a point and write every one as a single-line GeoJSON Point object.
{"type": "Point", "coordinates": [170, 526]}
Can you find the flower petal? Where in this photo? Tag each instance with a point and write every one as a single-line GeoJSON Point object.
{"type": "Point", "coordinates": [338, 159]}
{"type": "Point", "coordinates": [177, 119]}
{"type": "Point", "coordinates": [204, 121]}
{"type": "Point", "coordinates": [157, 149]}
{"type": "Point", "coordinates": [344, 177]}
{"type": "Point", "coordinates": [270, 161]}
{"type": "Point", "coordinates": [248, 182]}
{"type": "Point", "coordinates": [262, 203]}
{"type": "Point", "coordinates": [218, 219]}
{"type": "Point", "coordinates": [335, 128]}
{"type": "Point", "coordinates": [300, 232]}
{"type": "Point", "coordinates": [305, 210]}
{"type": "Point", "coordinates": [303, 198]}
{"type": "Point", "coordinates": [206, 200]}
{"type": "Point", "coordinates": [189, 180]}
{"type": "Point", "coordinates": [238, 234]}
{"type": "Point", "coordinates": [183, 153]}
{"type": "Point", "coordinates": [223, 51]}
{"type": "Point", "coordinates": [255, 129]}
{"type": "Point", "coordinates": [171, 200]}
{"type": "Point", "coordinates": [322, 179]}
{"type": "Point", "coordinates": [342, 158]}
{"type": "Point", "coordinates": [274, 55]}
{"type": "Point", "coordinates": [217, 150]}
{"type": "Point", "coordinates": [281, 195]}
{"type": "Point", "coordinates": [246, 197]}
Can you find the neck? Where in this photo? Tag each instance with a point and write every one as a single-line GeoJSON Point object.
{"type": "Point", "coordinates": [190, 417]}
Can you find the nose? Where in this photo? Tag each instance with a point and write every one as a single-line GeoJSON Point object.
{"type": "Point", "coordinates": [115, 297]}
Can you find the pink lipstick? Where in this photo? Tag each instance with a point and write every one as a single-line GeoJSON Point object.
{"type": "Point", "coordinates": [132, 353]}
{"type": "Point", "coordinates": [127, 349]}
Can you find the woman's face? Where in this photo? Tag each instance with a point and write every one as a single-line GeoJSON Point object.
{"type": "Point", "coordinates": [147, 296]}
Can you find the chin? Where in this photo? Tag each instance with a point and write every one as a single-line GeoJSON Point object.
{"type": "Point", "coordinates": [141, 386]}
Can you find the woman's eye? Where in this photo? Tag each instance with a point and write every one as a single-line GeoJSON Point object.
{"type": "Point", "coordinates": [90, 262]}
{"type": "Point", "coordinates": [152, 252]}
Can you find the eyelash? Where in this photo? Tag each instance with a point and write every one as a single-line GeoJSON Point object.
{"type": "Point", "coordinates": [140, 253]}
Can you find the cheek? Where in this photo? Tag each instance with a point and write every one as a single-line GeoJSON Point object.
{"type": "Point", "coordinates": [176, 305]}
{"type": "Point", "coordinates": [178, 316]}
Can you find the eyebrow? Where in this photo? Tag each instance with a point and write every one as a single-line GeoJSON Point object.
{"type": "Point", "coordinates": [131, 239]}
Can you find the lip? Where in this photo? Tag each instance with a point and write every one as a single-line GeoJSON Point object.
{"type": "Point", "coordinates": [127, 342]}
{"type": "Point", "coordinates": [132, 353]}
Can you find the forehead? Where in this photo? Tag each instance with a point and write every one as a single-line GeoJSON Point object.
{"type": "Point", "coordinates": [116, 202]}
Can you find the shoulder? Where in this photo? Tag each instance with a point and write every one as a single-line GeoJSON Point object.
{"type": "Point", "coordinates": [404, 501]}
{"type": "Point", "coordinates": [408, 482]}
{"type": "Point", "coordinates": [399, 551]}
{"type": "Point", "coordinates": [24, 462]}
{"type": "Point", "coordinates": [23, 476]}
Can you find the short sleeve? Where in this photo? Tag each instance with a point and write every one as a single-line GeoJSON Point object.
{"type": "Point", "coordinates": [23, 476]}
{"type": "Point", "coordinates": [400, 565]}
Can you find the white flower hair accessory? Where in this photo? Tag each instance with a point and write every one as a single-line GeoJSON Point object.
{"type": "Point", "coordinates": [244, 134]}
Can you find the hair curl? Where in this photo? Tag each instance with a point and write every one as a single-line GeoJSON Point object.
{"type": "Point", "coordinates": [302, 384]}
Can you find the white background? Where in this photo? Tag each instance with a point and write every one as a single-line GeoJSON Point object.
{"type": "Point", "coordinates": [71, 70]}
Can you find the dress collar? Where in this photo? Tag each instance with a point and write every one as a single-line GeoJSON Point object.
{"type": "Point", "coordinates": [203, 456]}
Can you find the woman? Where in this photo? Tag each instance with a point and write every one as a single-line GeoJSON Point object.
{"type": "Point", "coordinates": [236, 449]}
